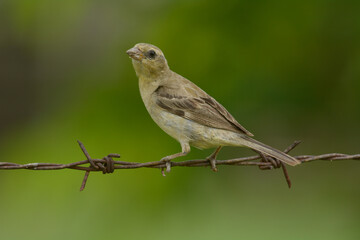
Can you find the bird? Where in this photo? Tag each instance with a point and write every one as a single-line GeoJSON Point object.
{"type": "Point", "coordinates": [187, 113]}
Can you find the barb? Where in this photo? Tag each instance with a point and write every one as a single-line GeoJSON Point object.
{"type": "Point", "coordinates": [108, 164]}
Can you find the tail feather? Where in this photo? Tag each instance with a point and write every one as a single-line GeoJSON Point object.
{"type": "Point", "coordinates": [267, 150]}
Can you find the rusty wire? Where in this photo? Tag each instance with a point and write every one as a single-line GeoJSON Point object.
{"type": "Point", "coordinates": [108, 164]}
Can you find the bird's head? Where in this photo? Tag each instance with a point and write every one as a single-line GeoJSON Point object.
{"type": "Point", "coordinates": [148, 60]}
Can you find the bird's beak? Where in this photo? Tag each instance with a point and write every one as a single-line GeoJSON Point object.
{"type": "Point", "coordinates": [135, 53]}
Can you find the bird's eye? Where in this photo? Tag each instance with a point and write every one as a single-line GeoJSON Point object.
{"type": "Point", "coordinates": [151, 54]}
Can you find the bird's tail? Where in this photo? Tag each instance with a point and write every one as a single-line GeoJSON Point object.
{"type": "Point", "coordinates": [267, 150]}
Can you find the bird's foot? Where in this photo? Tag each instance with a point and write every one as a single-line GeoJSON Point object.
{"type": "Point", "coordinates": [167, 162]}
{"type": "Point", "coordinates": [163, 172]}
{"type": "Point", "coordinates": [167, 159]}
{"type": "Point", "coordinates": [212, 161]}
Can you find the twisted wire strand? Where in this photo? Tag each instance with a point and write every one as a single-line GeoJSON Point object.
{"type": "Point", "coordinates": [109, 165]}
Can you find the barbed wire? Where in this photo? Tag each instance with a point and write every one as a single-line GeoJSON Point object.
{"type": "Point", "coordinates": [108, 165]}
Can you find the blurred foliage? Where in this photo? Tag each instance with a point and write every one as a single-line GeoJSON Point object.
{"type": "Point", "coordinates": [285, 69]}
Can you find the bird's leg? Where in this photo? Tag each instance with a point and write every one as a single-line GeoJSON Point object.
{"type": "Point", "coordinates": [185, 149]}
{"type": "Point", "coordinates": [212, 159]}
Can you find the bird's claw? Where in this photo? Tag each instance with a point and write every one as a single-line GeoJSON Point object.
{"type": "Point", "coordinates": [167, 162]}
{"type": "Point", "coordinates": [212, 159]}
{"type": "Point", "coordinates": [212, 163]}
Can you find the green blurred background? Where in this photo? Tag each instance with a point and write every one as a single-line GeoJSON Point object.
{"type": "Point", "coordinates": [287, 70]}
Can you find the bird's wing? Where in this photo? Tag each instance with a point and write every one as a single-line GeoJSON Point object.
{"type": "Point", "coordinates": [190, 102]}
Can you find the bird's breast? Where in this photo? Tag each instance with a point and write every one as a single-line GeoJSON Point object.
{"type": "Point", "coordinates": [182, 129]}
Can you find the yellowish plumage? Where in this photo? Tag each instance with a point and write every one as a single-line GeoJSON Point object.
{"type": "Point", "coordinates": [186, 112]}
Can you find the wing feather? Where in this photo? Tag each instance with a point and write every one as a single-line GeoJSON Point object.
{"type": "Point", "coordinates": [198, 107]}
